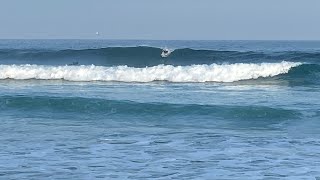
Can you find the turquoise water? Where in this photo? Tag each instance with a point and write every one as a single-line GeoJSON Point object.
{"type": "Point", "coordinates": [69, 124]}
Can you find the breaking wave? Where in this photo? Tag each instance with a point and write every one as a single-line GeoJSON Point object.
{"type": "Point", "coordinates": [191, 73]}
{"type": "Point", "coordinates": [142, 56]}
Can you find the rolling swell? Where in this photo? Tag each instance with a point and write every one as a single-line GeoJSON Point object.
{"type": "Point", "coordinates": [142, 56]}
{"type": "Point", "coordinates": [131, 56]}
{"type": "Point", "coordinates": [306, 74]}
{"type": "Point", "coordinates": [118, 108]}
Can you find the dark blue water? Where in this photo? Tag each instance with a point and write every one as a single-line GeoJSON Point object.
{"type": "Point", "coordinates": [102, 109]}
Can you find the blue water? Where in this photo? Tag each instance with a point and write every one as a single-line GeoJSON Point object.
{"type": "Point", "coordinates": [61, 118]}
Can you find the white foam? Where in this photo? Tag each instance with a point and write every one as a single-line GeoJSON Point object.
{"type": "Point", "coordinates": [193, 73]}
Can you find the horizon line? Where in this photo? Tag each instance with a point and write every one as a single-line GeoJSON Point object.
{"type": "Point", "coordinates": [134, 39]}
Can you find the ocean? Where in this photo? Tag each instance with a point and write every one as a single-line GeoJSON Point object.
{"type": "Point", "coordinates": [116, 109]}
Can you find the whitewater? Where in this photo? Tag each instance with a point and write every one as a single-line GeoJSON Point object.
{"type": "Point", "coordinates": [192, 73]}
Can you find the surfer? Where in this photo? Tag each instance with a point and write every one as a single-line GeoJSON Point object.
{"type": "Point", "coordinates": [165, 52]}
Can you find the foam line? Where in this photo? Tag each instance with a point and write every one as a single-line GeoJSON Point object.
{"type": "Point", "coordinates": [193, 73]}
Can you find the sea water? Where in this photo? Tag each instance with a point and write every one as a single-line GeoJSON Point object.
{"type": "Point", "coordinates": [111, 109]}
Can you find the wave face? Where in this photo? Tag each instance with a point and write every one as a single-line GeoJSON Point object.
{"type": "Point", "coordinates": [146, 56]}
{"type": "Point", "coordinates": [193, 73]}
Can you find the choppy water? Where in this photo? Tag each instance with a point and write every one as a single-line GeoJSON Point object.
{"type": "Point", "coordinates": [84, 109]}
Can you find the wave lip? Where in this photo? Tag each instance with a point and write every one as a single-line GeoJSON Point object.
{"type": "Point", "coordinates": [192, 73]}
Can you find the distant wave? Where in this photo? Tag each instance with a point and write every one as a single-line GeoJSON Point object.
{"type": "Point", "coordinates": [142, 56]}
{"type": "Point", "coordinates": [192, 73]}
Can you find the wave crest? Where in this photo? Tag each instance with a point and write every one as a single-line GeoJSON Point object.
{"type": "Point", "coordinates": [143, 56]}
{"type": "Point", "coordinates": [192, 73]}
